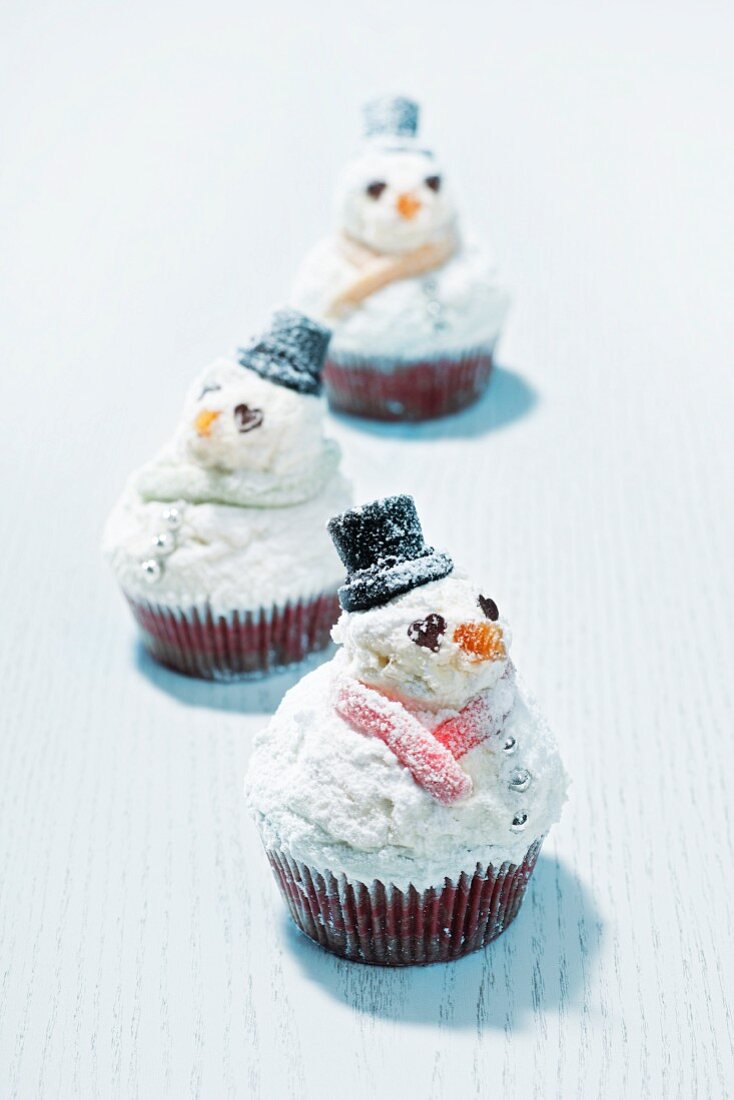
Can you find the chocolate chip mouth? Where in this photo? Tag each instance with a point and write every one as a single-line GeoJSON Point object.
{"type": "Point", "coordinates": [247, 419]}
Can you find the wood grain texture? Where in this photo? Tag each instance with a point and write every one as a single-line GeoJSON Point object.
{"type": "Point", "coordinates": [166, 174]}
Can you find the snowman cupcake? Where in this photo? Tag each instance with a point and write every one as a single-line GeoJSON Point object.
{"type": "Point", "coordinates": [220, 543]}
{"type": "Point", "coordinates": [403, 790]}
{"type": "Point", "coordinates": [416, 310]}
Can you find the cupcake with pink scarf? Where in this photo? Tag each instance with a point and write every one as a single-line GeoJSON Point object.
{"type": "Point", "coordinates": [403, 790]}
{"type": "Point", "coordinates": [416, 307]}
{"type": "Point", "coordinates": [219, 543]}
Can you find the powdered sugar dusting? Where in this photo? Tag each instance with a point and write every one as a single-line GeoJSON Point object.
{"type": "Point", "coordinates": [381, 649]}
{"type": "Point", "coordinates": [432, 765]}
{"type": "Point", "coordinates": [339, 800]}
{"type": "Point", "coordinates": [253, 480]}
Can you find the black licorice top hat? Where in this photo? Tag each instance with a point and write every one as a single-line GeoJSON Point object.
{"type": "Point", "coordinates": [383, 549]}
{"type": "Point", "coordinates": [391, 118]}
{"type": "Point", "coordinates": [291, 353]}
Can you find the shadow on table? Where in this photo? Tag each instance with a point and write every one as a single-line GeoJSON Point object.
{"type": "Point", "coordinates": [257, 696]}
{"type": "Point", "coordinates": [509, 397]}
{"type": "Point", "coordinates": [537, 965]}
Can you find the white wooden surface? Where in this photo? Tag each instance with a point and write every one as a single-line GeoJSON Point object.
{"type": "Point", "coordinates": [165, 167]}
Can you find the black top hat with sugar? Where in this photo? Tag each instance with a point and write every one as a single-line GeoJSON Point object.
{"type": "Point", "coordinates": [385, 554]}
{"type": "Point", "coordinates": [290, 353]}
{"type": "Point", "coordinates": [391, 118]}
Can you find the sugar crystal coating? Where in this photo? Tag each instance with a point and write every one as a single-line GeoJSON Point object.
{"type": "Point", "coordinates": [385, 554]}
{"type": "Point", "coordinates": [481, 641]}
{"type": "Point", "coordinates": [431, 764]}
{"type": "Point", "coordinates": [475, 723]}
{"type": "Point", "coordinates": [291, 353]}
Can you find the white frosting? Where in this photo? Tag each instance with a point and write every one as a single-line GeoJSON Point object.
{"type": "Point", "coordinates": [379, 651]}
{"type": "Point", "coordinates": [227, 557]}
{"type": "Point", "coordinates": [282, 460]}
{"type": "Point", "coordinates": [459, 306]}
{"type": "Point", "coordinates": [254, 503]}
{"type": "Point", "coordinates": [339, 800]}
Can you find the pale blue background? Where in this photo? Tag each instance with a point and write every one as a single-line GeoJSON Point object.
{"type": "Point", "coordinates": [164, 168]}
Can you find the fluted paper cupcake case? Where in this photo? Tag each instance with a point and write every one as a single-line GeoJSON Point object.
{"type": "Point", "coordinates": [394, 389]}
{"type": "Point", "coordinates": [240, 644]}
{"type": "Point", "coordinates": [384, 926]}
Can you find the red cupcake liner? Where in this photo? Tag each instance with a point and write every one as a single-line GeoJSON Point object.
{"type": "Point", "coordinates": [383, 389]}
{"type": "Point", "coordinates": [244, 643]}
{"type": "Point", "coordinates": [384, 926]}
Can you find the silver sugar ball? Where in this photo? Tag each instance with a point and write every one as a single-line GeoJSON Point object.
{"type": "Point", "coordinates": [519, 822]}
{"type": "Point", "coordinates": [152, 570]}
{"type": "Point", "coordinates": [520, 780]}
{"type": "Point", "coordinates": [510, 745]}
{"type": "Point", "coordinates": [172, 518]}
{"type": "Point", "coordinates": [164, 542]}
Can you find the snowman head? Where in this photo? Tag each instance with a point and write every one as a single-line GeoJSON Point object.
{"type": "Point", "coordinates": [393, 197]}
{"type": "Point", "coordinates": [262, 413]}
{"type": "Point", "coordinates": [412, 627]}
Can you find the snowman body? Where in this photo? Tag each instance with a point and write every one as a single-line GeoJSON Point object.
{"type": "Point", "coordinates": [456, 309]}
{"type": "Point", "coordinates": [231, 514]}
{"type": "Point", "coordinates": [412, 749]}
{"type": "Point", "coordinates": [395, 280]}
{"type": "Point", "coordinates": [403, 790]}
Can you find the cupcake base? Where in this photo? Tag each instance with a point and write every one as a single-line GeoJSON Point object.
{"type": "Point", "coordinates": [241, 645]}
{"type": "Point", "coordinates": [386, 389]}
{"type": "Point", "coordinates": [384, 926]}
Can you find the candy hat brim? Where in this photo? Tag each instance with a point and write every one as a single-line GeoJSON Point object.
{"type": "Point", "coordinates": [374, 587]}
{"type": "Point", "coordinates": [290, 353]}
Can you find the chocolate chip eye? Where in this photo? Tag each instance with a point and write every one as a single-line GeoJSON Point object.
{"type": "Point", "coordinates": [247, 419]}
{"type": "Point", "coordinates": [428, 632]}
{"type": "Point", "coordinates": [434, 182]}
{"type": "Point", "coordinates": [375, 189]}
{"type": "Point", "coordinates": [209, 387]}
{"type": "Point", "coordinates": [489, 607]}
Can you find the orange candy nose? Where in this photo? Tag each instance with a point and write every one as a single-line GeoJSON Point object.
{"type": "Point", "coordinates": [204, 421]}
{"type": "Point", "coordinates": [481, 641]}
{"type": "Point", "coordinates": [407, 205]}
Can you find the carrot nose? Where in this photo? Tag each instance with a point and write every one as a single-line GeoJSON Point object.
{"type": "Point", "coordinates": [481, 641]}
{"type": "Point", "coordinates": [407, 205]}
{"type": "Point", "coordinates": [204, 421]}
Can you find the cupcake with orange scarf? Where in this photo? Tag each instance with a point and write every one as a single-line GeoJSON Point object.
{"type": "Point", "coordinates": [416, 308]}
